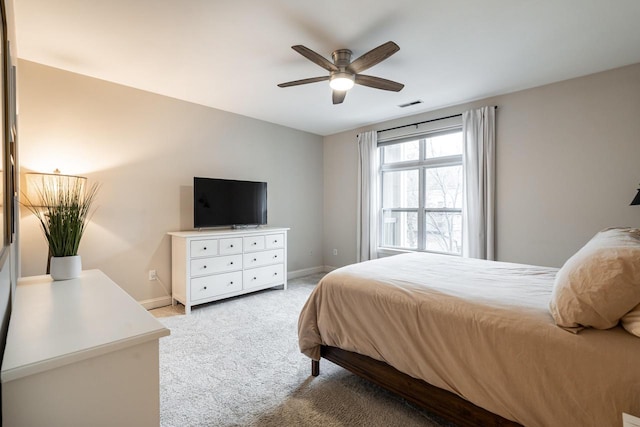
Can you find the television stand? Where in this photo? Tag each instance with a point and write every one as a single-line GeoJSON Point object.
{"type": "Point", "coordinates": [212, 265]}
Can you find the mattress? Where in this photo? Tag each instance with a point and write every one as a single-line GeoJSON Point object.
{"type": "Point", "coordinates": [480, 329]}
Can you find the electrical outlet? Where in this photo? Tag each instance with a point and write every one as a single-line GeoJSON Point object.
{"type": "Point", "coordinates": [335, 252]}
{"type": "Point", "coordinates": [153, 275]}
{"type": "Point", "coordinates": [630, 420]}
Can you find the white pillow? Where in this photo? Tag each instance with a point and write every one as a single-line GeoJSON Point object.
{"type": "Point", "coordinates": [600, 283]}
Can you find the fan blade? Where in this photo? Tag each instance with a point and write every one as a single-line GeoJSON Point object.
{"type": "Point", "coordinates": [373, 57]}
{"type": "Point", "coordinates": [338, 96]}
{"type": "Point", "coordinates": [304, 81]}
{"type": "Point", "coordinates": [315, 57]}
{"type": "Point", "coordinates": [378, 83]}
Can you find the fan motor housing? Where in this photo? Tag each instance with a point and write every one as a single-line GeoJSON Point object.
{"type": "Point", "coordinates": [341, 57]}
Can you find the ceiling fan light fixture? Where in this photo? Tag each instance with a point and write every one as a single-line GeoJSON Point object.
{"type": "Point", "coordinates": [345, 73]}
{"type": "Point", "coordinates": [341, 81]}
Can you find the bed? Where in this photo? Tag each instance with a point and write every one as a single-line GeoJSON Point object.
{"type": "Point", "coordinates": [475, 341]}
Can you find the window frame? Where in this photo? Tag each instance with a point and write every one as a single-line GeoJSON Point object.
{"type": "Point", "coordinates": [422, 165]}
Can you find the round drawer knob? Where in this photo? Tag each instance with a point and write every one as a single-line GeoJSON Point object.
{"type": "Point", "coordinates": [230, 246]}
{"type": "Point", "coordinates": [254, 278]}
{"type": "Point", "coordinates": [275, 256]}
{"type": "Point", "coordinates": [204, 266]}
{"type": "Point", "coordinates": [205, 248]}
{"type": "Point", "coordinates": [205, 287]}
{"type": "Point", "coordinates": [231, 283]}
{"type": "Point", "coordinates": [255, 259]}
{"type": "Point", "coordinates": [231, 263]}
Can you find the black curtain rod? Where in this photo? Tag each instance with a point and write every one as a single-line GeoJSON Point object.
{"type": "Point", "coordinates": [421, 123]}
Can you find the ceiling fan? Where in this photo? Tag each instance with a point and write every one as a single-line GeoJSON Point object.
{"type": "Point", "coordinates": [344, 73]}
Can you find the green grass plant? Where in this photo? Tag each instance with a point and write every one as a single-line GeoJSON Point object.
{"type": "Point", "coordinates": [63, 210]}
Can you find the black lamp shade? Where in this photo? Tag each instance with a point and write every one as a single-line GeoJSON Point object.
{"type": "Point", "coordinates": [636, 200]}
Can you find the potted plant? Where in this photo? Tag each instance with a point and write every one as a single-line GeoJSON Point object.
{"type": "Point", "coordinates": [63, 210]}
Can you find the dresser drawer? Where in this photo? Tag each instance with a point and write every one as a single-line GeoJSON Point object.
{"type": "Point", "coordinates": [200, 248]}
{"type": "Point", "coordinates": [261, 276]}
{"type": "Point", "coordinates": [274, 241]}
{"type": "Point", "coordinates": [222, 264]}
{"type": "Point", "coordinates": [218, 284]}
{"type": "Point", "coordinates": [231, 246]}
{"type": "Point", "coordinates": [253, 243]}
{"type": "Point", "coordinates": [258, 259]}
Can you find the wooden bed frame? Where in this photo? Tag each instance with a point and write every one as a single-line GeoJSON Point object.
{"type": "Point", "coordinates": [436, 400]}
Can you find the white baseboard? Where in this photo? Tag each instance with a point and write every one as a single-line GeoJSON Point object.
{"type": "Point", "coordinates": [328, 268]}
{"type": "Point", "coordinates": [150, 304]}
{"type": "Point", "coordinates": [305, 272]}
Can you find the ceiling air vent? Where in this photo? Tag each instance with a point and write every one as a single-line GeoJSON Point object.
{"type": "Point", "coordinates": [409, 104]}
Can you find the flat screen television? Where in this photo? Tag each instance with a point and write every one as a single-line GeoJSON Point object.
{"type": "Point", "coordinates": [226, 202]}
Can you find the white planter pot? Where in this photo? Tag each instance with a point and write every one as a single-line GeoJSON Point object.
{"type": "Point", "coordinates": [65, 267]}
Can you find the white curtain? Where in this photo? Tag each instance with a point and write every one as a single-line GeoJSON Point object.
{"type": "Point", "coordinates": [367, 195]}
{"type": "Point", "coordinates": [479, 154]}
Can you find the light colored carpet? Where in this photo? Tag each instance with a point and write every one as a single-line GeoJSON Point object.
{"type": "Point", "coordinates": [237, 363]}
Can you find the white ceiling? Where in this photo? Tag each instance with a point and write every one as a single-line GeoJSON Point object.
{"type": "Point", "coordinates": [231, 54]}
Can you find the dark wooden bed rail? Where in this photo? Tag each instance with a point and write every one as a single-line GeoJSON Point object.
{"type": "Point", "coordinates": [436, 400]}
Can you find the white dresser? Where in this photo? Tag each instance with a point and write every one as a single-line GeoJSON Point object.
{"type": "Point", "coordinates": [80, 352]}
{"type": "Point", "coordinates": [217, 264]}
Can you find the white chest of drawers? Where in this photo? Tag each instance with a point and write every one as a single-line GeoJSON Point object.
{"type": "Point", "coordinates": [217, 264]}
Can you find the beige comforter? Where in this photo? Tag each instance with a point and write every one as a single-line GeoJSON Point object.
{"type": "Point", "coordinates": [480, 329]}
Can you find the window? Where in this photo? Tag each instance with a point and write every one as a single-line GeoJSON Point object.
{"type": "Point", "coordinates": [421, 185]}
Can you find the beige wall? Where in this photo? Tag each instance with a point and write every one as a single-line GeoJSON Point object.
{"type": "Point", "coordinates": [145, 149]}
{"type": "Point", "coordinates": [567, 166]}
